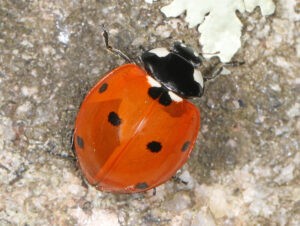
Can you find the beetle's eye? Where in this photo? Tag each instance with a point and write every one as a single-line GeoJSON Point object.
{"type": "Point", "coordinates": [187, 53]}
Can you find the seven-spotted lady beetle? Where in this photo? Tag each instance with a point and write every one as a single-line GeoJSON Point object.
{"type": "Point", "coordinates": [135, 128]}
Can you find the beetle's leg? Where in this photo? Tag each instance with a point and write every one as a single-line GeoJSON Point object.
{"type": "Point", "coordinates": [114, 50]}
{"type": "Point", "coordinates": [216, 71]}
{"type": "Point", "coordinates": [154, 191]}
{"type": "Point", "coordinates": [67, 156]}
{"type": "Point", "coordinates": [178, 180]}
{"type": "Point", "coordinates": [72, 142]}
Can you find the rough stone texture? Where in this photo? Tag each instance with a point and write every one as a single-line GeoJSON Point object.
{"type": "Point", "coordinates": [245, 167]}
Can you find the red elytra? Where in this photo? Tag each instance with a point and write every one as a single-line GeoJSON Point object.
{"type": "Point", "coordinates": [128, 142]}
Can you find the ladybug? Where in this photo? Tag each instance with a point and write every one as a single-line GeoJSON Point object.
{"type": "Point", "coordinates": [135, 128]}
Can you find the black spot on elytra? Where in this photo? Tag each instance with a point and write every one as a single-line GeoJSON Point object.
{"type": "Point", "coordinates": [141, 186]}
{"type": "Point", "coordinates": [114, 119]}
{"type": "Point", "coordinates": [80, 142]}
{"type": "Point", "coordinates": [185, 146]}
{"type": "Point", "coordinates": [103, 88]}
{"type": "Point", "coordinates": [155, 92]}
{"type": "Point", "coordinates": [161, 93]}
{"type": "Point", "coordinates": [165, 99]}
{"type": "Point", "coordinates": [154, 146]}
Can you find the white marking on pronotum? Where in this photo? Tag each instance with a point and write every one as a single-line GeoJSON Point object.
{"type": "Point", "coordinates": [153, 82]}
{"type": "Point", "coordinates": [182, 45]}
{"type": "Point", "coordinates": [175, 97]}
{"type": "Point", "coordinates": [196, 54]}
{"type": "Point", "coordinates": [160, 52]}
{"type": "Point", "coordinates": [198, 77]}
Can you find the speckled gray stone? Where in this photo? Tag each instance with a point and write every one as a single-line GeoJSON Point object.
{"type": "Point", "coordinates": [244, 169]}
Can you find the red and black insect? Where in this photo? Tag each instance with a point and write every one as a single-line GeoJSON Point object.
{"type": "Point", "coordinates": [135, 128]}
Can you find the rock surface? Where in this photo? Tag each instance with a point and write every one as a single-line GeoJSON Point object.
{"type": "Point", "coordinates": [245, 166]}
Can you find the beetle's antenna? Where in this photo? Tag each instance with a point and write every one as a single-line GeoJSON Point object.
{"type": "Point", "coordinates": [234, 63]}
{"type": "Point", "coordinates": [218, 68]}
{"type": "Point", "coordinates": [203, 59]}
{"type": "Point", "coordinates": [112, 49]}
